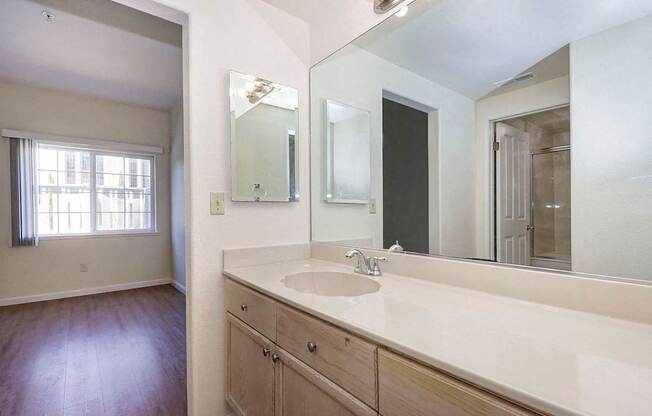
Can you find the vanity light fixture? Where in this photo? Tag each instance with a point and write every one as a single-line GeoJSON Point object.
{"type": "Point", "coordinates": [48, 15]}
{"type": "Point", "coordinates": [258, 89]}
{"type": "Point", "coordinates": [383, 6]}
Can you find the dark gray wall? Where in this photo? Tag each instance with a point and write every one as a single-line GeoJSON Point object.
{"type": "Point", "coordinates": [405, 177]}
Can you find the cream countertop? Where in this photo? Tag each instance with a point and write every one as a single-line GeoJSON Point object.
{"type": "Point", "coordinates": [557, 360]}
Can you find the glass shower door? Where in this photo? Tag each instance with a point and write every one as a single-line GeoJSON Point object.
{"type": "Point", "coordinates": [551, 204]}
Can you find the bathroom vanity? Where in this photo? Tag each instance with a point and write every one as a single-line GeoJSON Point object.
{"type": "Point", "coordinates": [282, 361]}
{"type": "Point", "coordinates": [310, 337]}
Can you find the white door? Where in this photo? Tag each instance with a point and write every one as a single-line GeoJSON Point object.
{"type": "Point", "coordinates": [513, 195]}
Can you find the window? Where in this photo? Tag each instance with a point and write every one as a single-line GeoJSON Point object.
{"type": "Point", "coordinates": [93, 192]}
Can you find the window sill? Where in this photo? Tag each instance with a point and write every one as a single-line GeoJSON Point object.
{"type": "Point", "coordinates": [99, 235]}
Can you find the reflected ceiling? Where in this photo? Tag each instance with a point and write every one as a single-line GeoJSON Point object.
{"type": "Point", "coordinates": [470, 45]}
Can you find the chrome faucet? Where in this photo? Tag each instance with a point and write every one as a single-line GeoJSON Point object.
{"type": "Point", "coordinates": [365, 265]}
{"type": "Point", "coordinates": [396, 248]}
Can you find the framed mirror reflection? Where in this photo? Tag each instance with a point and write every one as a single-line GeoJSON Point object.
{"type": "Point", "coordinates": [528, 146]}
{"type": "Point", "coordinates": [346, 154]}
{"type": "Point", "coordinates": [264, 140]}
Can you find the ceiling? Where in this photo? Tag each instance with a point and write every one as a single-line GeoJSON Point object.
{"type": "Point", "coordinates": [93, 47]}
{"type": "Point", "coordinates": [469, 45]}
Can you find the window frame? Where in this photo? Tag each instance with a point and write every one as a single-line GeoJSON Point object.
{"type": "Point", "coordinates": [95, 151]}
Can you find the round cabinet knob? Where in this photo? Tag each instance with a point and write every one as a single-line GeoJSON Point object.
{"type": "Point", "coordinates": [275, 357]}
{"type": "Point", "coordinates": [244, 307]}
{"type": "Point", "coordinates": [266, 351]}
{"type": "Point", "coordinates": [312, 347]}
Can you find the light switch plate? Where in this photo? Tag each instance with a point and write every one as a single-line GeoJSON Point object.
{"type": "Point", "coordinates": [372, 206]}
{"type": "Point", "coordinates": [217, 203]}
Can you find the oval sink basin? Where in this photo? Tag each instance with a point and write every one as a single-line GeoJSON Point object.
{"type": "Point", "coordinates": [331, 283]}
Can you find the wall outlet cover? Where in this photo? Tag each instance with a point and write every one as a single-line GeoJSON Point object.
{"type": "Point", "coordinates": [217, 203]}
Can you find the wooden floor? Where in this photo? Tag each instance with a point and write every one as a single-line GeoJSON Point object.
{"type": "Point", "coordinates": [114, 354]}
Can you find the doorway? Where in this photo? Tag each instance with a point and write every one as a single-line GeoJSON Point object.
{"type": "Point", "coordinates": [532, 189]}
{"type": "Point", "coordinates": [405, 177]}
{"type": "Point", "coordinates": [107, 320]}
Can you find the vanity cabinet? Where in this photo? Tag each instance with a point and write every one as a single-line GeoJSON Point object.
{"type": "Point", "coordinates": [284, 362]}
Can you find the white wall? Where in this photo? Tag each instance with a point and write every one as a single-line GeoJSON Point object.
{"type": "Point", "coordinates": [54, 266]}
{"type": "Point", "coordinates": [358, 78]}
{"type": "Point", "coordinates": [254, 38]}
{"type": "Point", "coordinates": [177, 197]}
{"type": "Point", "coordinates": [536, 97]}
{"type": "Point", "coordinates": [611, 133]}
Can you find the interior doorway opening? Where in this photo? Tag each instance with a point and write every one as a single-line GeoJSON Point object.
{"type": "Point", "coordinates": [410, 188]}
{"type": "Point", "coordinates": [101, 137]}
{"type": "Point", "coordinates": [532, 197]}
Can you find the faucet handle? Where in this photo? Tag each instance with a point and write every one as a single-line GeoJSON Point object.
{"type": "Point", "coordinates": [374, 268]}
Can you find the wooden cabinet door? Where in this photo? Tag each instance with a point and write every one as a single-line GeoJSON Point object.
{"type": "Point", "coordinates": [301, 391]}
{"type": "Point", "coordinates": [250, 370]}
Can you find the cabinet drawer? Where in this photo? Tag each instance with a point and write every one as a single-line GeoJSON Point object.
{"type": "Point", "coordinates": [408, 388]}
{"type": "Point", "coordinates": [256, 310]}
{"type": "Point", "coordinates": [345, 359]}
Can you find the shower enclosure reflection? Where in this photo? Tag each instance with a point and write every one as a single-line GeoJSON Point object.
{"type": "Point", "coordinates": [551, 208]}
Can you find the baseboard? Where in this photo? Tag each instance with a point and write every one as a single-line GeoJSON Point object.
{"type": "Point", "coordinates": [82, 292]}
{"type": "Point", "coordinates": [178, 286]}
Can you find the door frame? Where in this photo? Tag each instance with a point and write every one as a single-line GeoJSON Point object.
{"type": "Point", "coordinates": [493, 175]}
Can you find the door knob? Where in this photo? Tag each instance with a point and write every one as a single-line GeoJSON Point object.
{"type": "Point", "coordinates": [244, 307]}
{"type": "Point", "coordinates": [266, 351]}
{"type": "Point", "coordinates": [312, 347]}
{"type": "Point", "coordinates": [530, 227]}
{"type": "Point", "coordinates": [275, 357]}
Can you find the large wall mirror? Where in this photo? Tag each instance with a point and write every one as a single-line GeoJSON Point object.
{"type": "Point", "coordinates": [530, 145]}
{"type": "Point", "coordinates": [264, 141]}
